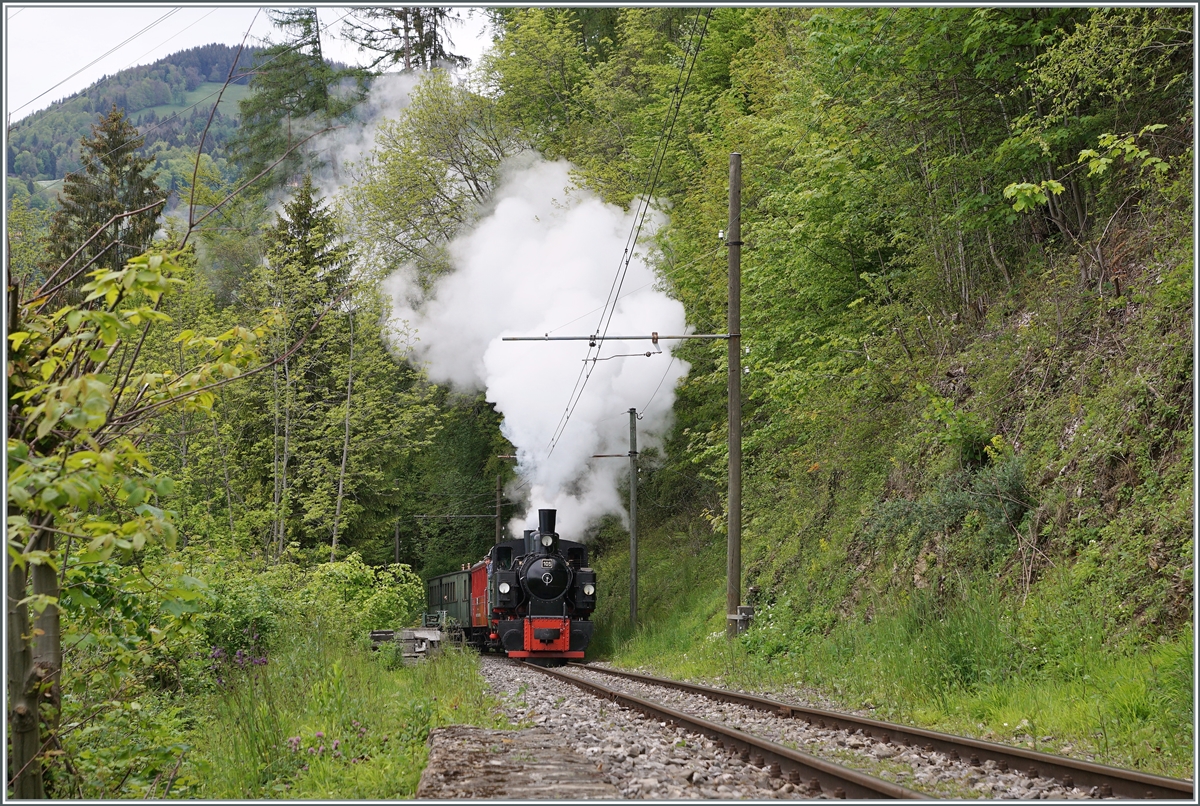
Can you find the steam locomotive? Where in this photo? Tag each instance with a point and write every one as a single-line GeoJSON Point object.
{"type": "Point", "coordinates": [531, 598]}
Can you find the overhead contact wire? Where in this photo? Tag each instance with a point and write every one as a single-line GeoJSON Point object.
{"type": "Point", "coordinates": [623, 268]}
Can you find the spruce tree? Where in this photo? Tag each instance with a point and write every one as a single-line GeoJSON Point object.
{"type": "Point", "coordinates": [294, 92]}
{"type": "Point", "coordinates": [410, 36]}
{"type": "Point", "coordinates": [113, 181]}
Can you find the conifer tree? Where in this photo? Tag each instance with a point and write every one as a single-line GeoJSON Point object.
{"type": "Point", "coordinates": [409, 36]}
{"type": "Point", "coordinates": [114, 180]}
{"type": "Point", "coordinates": [294, 93]}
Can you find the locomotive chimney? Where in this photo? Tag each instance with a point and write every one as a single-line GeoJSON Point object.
{"type": "Point", "coordinates": [546, 520]}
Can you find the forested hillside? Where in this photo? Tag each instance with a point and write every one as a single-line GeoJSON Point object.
{"type": "Point", "coordinates": [967, 309]}
{"type": "Point", "coordinates": [169, 100]}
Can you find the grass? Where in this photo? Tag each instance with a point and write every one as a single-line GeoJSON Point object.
{"type": "Point", "coordinates": [324, 719]}
{"type": "Point", "coordinates": [962, 665]}
{"type": "Point", "coordinates": [229, 101]}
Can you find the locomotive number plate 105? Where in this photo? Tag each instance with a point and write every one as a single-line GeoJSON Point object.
{"type": "Point", "coordinates": [547, 563]}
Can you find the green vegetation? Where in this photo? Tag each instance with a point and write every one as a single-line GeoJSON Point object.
{"type": "Point", "coordinates": [967, 295]}
{"type": "Point", "coordinates": [321, 716]}
{"type": "Point", "coordinates": [202, 98]}
{"type": "Point", "coordinates": [968, 429]}
{"type": "Point", "coordinates": [159, 97]}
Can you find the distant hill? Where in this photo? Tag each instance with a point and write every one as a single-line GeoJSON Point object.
{"type": "Point", "coordinates": [169, 100]}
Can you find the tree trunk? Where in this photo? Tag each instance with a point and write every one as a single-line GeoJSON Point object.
{"type": "Point", "coordinates": [283, 470]}
{"type": "Point", "coordinates": [337, 512]}
{"type": "Point", "coordinates": [225, 468]}
{"type": "Point", "coordinates": [24, 768]}
{"type": "Point", "coordinates": [269, 547]}
{"type": "Point", "coordinates": [47, 626]}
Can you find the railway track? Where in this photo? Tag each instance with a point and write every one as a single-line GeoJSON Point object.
{"type": "Point", "coordinates": [1104, 780]}
{"type": "Point", "coordinates": [815, 774]}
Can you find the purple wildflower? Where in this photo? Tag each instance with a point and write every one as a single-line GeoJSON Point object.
{"type": "Point", "coordinates": [217, 653]}
{"type": "Point", "coordinates": [337, 743]}
{"type": "Point", "coordinates": [320, 735]}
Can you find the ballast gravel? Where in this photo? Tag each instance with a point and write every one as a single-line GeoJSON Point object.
{"type": "Point", "coordinates": [914, 767]}
{"type": "Point", "coordinates": [649, 759]}
{"type": "Point", "coordinates": [641, 757]}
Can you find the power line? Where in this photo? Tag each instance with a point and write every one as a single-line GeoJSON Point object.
{"type": "Point", "coordinates": [214, 93]}
{"type": "Point", "coordinates": [660, 383]}
{"type": "Point", "coordinates": [94, 61]}
{"type": "Point", "coordinates": [631, 242]}
{"type": "Point", "coordinates": [585, 372]}
{"type": "Point", "coordinates": [169, 38]}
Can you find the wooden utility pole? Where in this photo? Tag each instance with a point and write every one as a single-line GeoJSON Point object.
{"type": "Point", "coordinates": [499, 526]}
{"type": "Point", "coordinates": [733, 558]}
{"type": "Point", "coordinates": [633, 454]}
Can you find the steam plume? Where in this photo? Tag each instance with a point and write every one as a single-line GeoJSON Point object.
{"type": "Point", "coordinates": [543, 261]}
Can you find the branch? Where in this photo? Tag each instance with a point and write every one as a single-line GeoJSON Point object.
{"type": "Point", "coordinates": [47, 296]}
{"type": "Point", "coordinates": [134, 413]}
{"type": "Point", "coordinates": [200, 148]}
{"type": "Point", "coordinates": [95, 235]}
{"type": "Point", "coordinates": [137, 351]}
{"type": "Point", "coordinates": [249, 182]}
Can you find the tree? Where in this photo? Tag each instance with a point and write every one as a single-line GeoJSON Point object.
{"type": "Point", "coordinates": [294, 93]}
{"type": "Point", "coordinates": [318, 449]}
{"type": "Point", "coordinates": [307, 265]}
{"type": "Point", "coordinates": [79, 404]}
{"type": "Point", "coordinates": [114, 181]}
{"type": "Point", "coordinates": [409, 36]}
{"type": "Point", "coordinates": [27, 226]}
{"type": "Point", "coordinates": [432, 169]}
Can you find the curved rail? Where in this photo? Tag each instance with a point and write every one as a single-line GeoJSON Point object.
{"type": "Point", "coordinates": [1069, 771]}
{"type": "Point", "coordinates": [821, 775]}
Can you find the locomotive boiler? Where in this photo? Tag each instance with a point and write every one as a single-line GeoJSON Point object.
{"type": "Point", "coordinates": [531, 598]}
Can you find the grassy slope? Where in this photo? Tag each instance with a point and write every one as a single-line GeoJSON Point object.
{"type": "Point", "coordinates": [1044, 597]}
{"type": "Point", "coordinates": [203, 98]}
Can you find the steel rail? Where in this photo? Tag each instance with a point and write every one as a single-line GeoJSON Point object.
{"type": "Point", "coordinates": [822, 775]}
{"type": "Point", "coordinates": [1068, 771]}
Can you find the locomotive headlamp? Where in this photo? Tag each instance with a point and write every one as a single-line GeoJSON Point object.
{"type": "Point", "coordinates": [589, 589]}
{"type": "Point", "coordinates": [547, 540]}
{"type": "Point", "coordinates": [505, 587]}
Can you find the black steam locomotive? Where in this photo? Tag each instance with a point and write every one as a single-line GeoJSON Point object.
{"type": "Point", "coordinates": [531, 598]}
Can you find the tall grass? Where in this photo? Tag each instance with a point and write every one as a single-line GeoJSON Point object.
{"type": "Point", "coordinates": [326, 718]}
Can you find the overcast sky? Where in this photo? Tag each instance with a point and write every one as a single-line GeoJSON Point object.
{"type": "Point", "coordinates": [59, 50]}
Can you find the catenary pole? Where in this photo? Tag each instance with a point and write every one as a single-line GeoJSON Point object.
{"type": "Point", "coordinates": [733, 559]}
{"type": "Point", "coordinates": [498, 526]}
{"type": "Point", "coordinates": [633, 562]}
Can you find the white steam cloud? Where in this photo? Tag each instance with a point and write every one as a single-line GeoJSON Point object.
{"type": "Point", "coordinates": [543, 261]}
{"type": "Point", "coordinates": [340, 149]}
